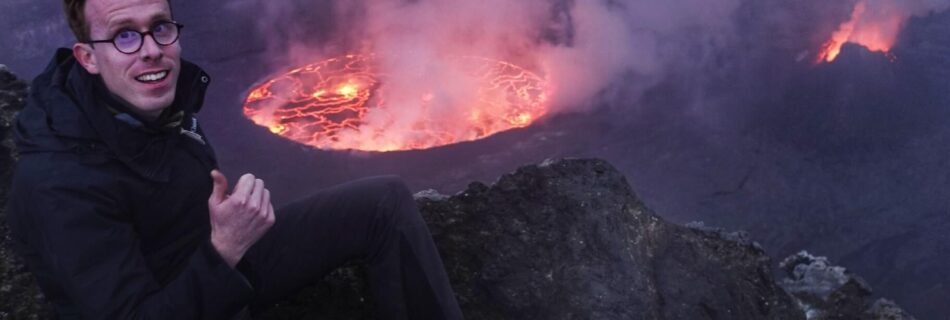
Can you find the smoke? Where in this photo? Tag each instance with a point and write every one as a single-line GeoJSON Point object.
{"type": "Point", "coordinates": [592, 53]}
{"type": "Point", "coordinates": [418, 46]}
{"type": "Point", "coordinates": [581, 47]}
{"type": "Point", "coordinates": [880, 21]}
{"type": "Point", "coordinates": [726, 63]}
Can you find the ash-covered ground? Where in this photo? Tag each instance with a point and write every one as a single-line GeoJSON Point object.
{"type": "Point", "coordinates": [849, 160]}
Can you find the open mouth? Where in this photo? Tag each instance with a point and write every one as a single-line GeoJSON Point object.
{"type": "Point", "coordinates": [152, 77]}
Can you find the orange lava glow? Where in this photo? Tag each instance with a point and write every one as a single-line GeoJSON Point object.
{"type": "Point", "coordinates": [877, 32]}
{"type": "Point", "coordinates": [341, 103]}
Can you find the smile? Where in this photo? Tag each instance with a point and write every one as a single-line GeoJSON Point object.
{"type": "Point", "coordinates": [152, 77]}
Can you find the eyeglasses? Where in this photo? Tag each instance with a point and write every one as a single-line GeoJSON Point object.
{"type": "Point", "coordinates": [130, 41]}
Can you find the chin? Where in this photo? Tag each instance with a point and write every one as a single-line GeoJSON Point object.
{"type": "Point", "coordinates": [153, 107]}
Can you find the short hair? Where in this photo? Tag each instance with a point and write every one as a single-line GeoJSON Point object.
{"type": "Point", "coordinates": [76, 16]}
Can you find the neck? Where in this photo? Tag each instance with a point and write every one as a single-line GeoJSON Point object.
{"type": "Point", "coordinates": [121, 105]}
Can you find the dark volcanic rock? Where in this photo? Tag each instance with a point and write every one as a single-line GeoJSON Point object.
{"type": "Point", "coordinates": [569, 239]}
{"type": "Point", "coordinates": [12, 99]}
{"type": "Point", "coordinates": [829, 292]}
{"type": "Point", "coordinates": [19, 296]}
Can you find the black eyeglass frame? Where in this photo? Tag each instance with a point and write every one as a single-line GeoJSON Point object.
{"type": "Point", "coordinates": [142, 35]}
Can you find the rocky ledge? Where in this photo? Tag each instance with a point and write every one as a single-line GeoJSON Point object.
{"type": "Point", "coordinates": [563, 239]}
{"type": "Point", "coordinates": [829, 292]}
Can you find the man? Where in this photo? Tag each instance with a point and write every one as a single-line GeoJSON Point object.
{"type": "Point", "coordinates": [116, 214]}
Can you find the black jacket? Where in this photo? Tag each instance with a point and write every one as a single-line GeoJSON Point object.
{"type": "Point", "coordinates": [111, 212]}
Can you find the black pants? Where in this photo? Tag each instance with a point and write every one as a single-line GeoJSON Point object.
{"type": "Point", "coordinates": [373, 220]}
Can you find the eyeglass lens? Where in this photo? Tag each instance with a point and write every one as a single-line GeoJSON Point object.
{"type": "Point", "coordinates": [129, 41]}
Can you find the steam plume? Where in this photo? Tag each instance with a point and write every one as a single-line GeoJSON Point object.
{"type": "Point", "coordinates": [592, 52]}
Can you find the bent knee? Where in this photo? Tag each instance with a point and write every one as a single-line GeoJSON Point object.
{"type": "Point", "coordinates": [389, 186]}
{"type": "Point", "coordinates": [394, 198]}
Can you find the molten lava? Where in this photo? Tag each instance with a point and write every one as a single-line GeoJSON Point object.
{"type": "Point", "coordinates": [346, 103]}
{"type": "Point", "coordinates": [876, 30]}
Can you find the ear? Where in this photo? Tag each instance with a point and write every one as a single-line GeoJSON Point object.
{"type": "Point", "coordinates": [83, 54]}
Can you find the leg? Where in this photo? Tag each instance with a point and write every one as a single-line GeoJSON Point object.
{"type": "Point", "coordinates": [374, 220]}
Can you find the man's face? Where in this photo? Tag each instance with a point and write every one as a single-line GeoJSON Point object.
{"type": "Point", "coordinates": [145, 79]}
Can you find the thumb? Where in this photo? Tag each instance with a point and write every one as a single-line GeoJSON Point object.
{"type": "Point", "coordinates": [220, 188]}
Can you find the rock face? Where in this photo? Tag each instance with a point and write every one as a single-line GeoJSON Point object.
{"type": "Point", "coordinates": [829, 292]}
{"type": "Point", "coordinates": [569, 239]}
{"type": "Point", "coordinates": [19, 296]}
{"type": "Point", "coordinates": [13, 93]}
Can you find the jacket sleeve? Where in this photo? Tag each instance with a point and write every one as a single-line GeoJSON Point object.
{"type": "Point", "coordinates": [92, 250]}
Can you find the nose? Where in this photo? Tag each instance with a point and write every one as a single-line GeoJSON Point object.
{"type": "Point", "coordinates": [150, 49]}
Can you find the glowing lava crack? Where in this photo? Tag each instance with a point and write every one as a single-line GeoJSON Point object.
{"type": "Point", "coordinates": [345, 103]}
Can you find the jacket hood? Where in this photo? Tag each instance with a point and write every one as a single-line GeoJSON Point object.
{"type": "Point", "coordinates": [68, 111]}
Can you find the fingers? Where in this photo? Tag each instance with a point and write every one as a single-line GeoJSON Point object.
{"type": "Point", "coordinates": [267, 211]}
{"type": "Point", "coordinates": [243, 188]}
{"type": "Point", "coordinates": [220, 187]}
{"type": "Point", "coordinates": [250, 198]}
{"type": "Point", "coordinates": [271, 217]}
{"type": "Point", "coordinates": [255, 200]}
{"type": "Point", "coordinates": [265, 203]}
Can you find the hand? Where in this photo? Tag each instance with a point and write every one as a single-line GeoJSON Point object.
{"type": "Point", "coordinates": [240, 219]}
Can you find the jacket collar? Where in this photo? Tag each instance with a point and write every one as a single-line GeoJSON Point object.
{"type": "Point", "coordinates": [69, 110]}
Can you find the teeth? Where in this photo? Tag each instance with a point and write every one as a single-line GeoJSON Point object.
{"type": "Point", "coordinates": [152, 76]}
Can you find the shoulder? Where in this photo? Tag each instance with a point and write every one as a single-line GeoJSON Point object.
{"type": "Point", "coordinates": [40, 173]}
{"type": "Point", "coordinates": [51, 191]}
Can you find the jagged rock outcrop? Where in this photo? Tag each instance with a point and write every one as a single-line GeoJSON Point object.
{"type": "Point", "coordinates": [829, 292]}
{"type": "Point", "coordinates": [569, 239]}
